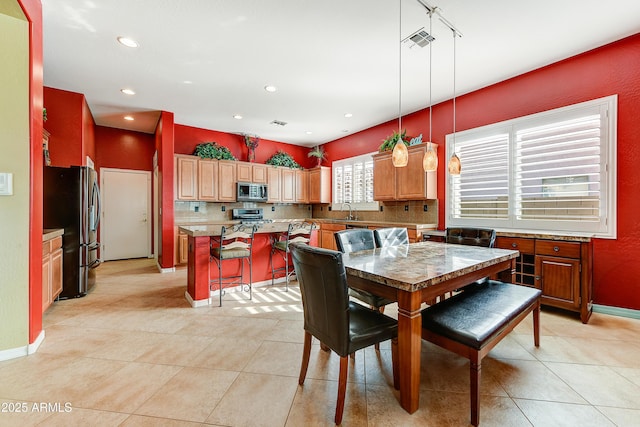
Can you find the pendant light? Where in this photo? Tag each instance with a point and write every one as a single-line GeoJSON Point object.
{"type": "Point", "coordinates": [454, 166]}
{"type": "Point", "coordinates": [430, 159]}
{"type": "Point", "coordinates": [400, 154]}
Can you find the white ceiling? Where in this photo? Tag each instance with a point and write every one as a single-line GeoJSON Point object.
{"type": "Point", "coordinates": [206, 60]}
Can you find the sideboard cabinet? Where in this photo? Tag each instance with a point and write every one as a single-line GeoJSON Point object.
{"type": "Point", "coordinates": [562, 269]}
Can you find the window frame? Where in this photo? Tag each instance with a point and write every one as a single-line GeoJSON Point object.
{"type": "Point", "coordinates": [605, 228]}
{"type": "Point", "coordinates": [360, 206]}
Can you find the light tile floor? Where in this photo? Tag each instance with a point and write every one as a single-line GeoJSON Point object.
{"type": "Point", "coordinates": [134, 353]}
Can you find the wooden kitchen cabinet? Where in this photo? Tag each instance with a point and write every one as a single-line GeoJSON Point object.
{"type": "Point", "coordinates": [186, 177]}
{"type": "Point", "coordinates": [259, 173]}
{"type": "Point", "coordinates": [406, 183]}
{"type": "Point", "coordinates": [301, 186]}
{"type": "Point", "coordinates": [561, 269]}
{"type": "Point", "coordinates": [273, 184]}
{"type": "Point", "coordinates": [384, 177]}
{"type": "Point", "coordinates": [320, 185]}
{"type": "Point", "coordinates": [226, 181]}
{"type": "Point", "coordinates": [51, 271]}
{"type": "Point", "coordinates": [287, 185]}
{"type": "Point", "coordinates": [327, 231]}
{"type": "Point", "coordinates": [208, 180]}
{"type": "Point", "coordinates": [244, 171]}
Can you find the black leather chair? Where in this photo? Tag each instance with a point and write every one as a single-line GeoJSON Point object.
{"type": "Point", "coordinates": [341, 325]}
{"type": "Point", "coordinates": [471, 236]}
{"type": "Point", "coordinates": [358, 239]}
{"type": "Point", "coordinates": [392, 236]}
{"type": "Point", "coordinates": [485, 237]}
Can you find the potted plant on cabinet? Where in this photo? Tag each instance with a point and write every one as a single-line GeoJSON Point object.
{"type": "Point", "coordinates": [280, 158]}
{"type": "Point", "coordinates": [208, 150]}
{"type": "Point", "coordinates": [319, 153]}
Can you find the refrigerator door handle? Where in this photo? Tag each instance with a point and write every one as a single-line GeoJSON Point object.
{"type": "Point", "coordinates": [95, 206]}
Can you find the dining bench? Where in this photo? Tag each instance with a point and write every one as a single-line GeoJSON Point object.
{"type": "Point", "coordinates": [474, 321]}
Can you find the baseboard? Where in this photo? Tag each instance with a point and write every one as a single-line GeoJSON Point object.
{"type": "Point", "coordinates": [616, 311]}
{"type": "Point", "coordinates": [33, 347]}
{"type": "Point", "coordinates": [14, 353]}
{"type": "Point", "coordinates": [165, 270]}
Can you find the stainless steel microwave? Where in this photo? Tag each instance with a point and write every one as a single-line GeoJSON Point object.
{"type": "Point", "coordinates": [250, 192]}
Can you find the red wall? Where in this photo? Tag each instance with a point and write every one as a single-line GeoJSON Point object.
{"type": "Point", "coordinates": [612, 69]}
{"type": "Point", "coordinates": [123, 149]}
{"type": "Point", "coordinates": [186, 139]}
{"type": "Point", "coordinates": [33, 11]}
{"type": "Point", "coordinates": [71, 125]}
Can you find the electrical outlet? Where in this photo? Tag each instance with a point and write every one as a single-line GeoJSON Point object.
{"type": "Point", "coordinates": [273, 208]}
{"type": "Point", "coordinates": [223, 208]}
{"type": "Point", "coordinates": [406, 208]}
{"type": "Point", "coordinates": [381, 208]}
{"type": "Point", "coordinates": [425, 208]}
{"type": "Point", "coordinates": [329, 208]}
{"type": "Point", "coordinates": [196, 208]}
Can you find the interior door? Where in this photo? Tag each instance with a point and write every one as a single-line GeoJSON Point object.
{"type": "Point", "coordinates": [126, 218]}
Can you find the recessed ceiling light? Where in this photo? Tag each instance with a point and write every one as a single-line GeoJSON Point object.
{"type": "Point", "coordinates": [345, 130]}
{"type": "Point", "coordinates": [126, 41]}
{"type": "Point", "coordinates": [270, 88]}
{"type": "Point", "coordinates": [129, 118]}
{"type": "Point", "coordinates": [127, 91]}
{"type": "Point", "coordinates": [187, 82]}
{"type": "Point", "coordinates": [237, 116]}
{"type": "Point", "coordinates": [309, 132]}
{"type": "Point", "coordinates": [347, 115]}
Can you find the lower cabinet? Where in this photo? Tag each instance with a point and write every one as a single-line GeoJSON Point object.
{"type": "Point", "coordinates": [561, 269]}
{"type": "Point", "coordinates": [51, 271]}
{"type": "Point", "coordinates": [181, 250]}
{"type": "Point", "coordinates": [327, 230]}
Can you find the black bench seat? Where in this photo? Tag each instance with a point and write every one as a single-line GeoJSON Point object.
{"type": "Point", "coordinates": [474, 321]}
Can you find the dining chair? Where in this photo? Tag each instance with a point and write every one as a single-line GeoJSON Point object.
{"type": "Point", "coordinates": [234, 243]}
{"type": "Point", "coordinates": [470, 236]}
{"type": "Point", "coordinates": [341, 325]}
{"type": "Point", "coordinates": [358, 239]}
{"type": "Point", "coordinates": [297, 232]}
{"type": "Point", "coordinates": [392, 236]}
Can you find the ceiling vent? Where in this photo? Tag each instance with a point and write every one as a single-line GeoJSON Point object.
{"type": "Point", "coordinates": [279, 123]}
{"type": "Point", "coordinates": [421, 38]}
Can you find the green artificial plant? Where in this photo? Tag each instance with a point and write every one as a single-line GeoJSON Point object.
{"type": "Point", "coordinates": [213, 150]}
{"type": "Point", "coordinates": [280, 158]}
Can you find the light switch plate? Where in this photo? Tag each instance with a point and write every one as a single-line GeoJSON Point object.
{"type": "Point", "coordinates": [6, 184]}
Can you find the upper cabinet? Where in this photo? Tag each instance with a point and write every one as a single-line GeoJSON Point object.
{"type": "Point", "coordinates": [186, 177]}
{"type": "Point", "coordinates": [405, 183]}
{"type": "Point", "coordinates": [227, 182]}
{"type": "Point", "coordinates": [302, 186]}
{"type": "Point", "coordinates": [320, 185]}
{"type": "Point", "coordinates": [215, 181]}
{"type": "Point", "coordinates": [208, 180]}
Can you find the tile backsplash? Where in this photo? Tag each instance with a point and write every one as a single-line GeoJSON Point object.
{"type": "Point", "coordinates": [407, 211]}
{"type": "Point", "coordinates": [190, 212]}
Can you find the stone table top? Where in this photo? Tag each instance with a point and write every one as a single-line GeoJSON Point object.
{"type": "Point", "coordinates": [418, 265]}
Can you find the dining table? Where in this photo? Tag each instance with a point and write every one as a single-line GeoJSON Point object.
{"type": "Point", "coordinates": [418, 273]}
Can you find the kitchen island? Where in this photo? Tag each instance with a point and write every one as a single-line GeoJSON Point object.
{"type": "Point", "coordinates": [198, 263]}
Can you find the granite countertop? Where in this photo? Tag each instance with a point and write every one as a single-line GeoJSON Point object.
{"type": "Point", "coordinates": [418, 265]}
{"type": "Point", "coordinates": [374, 223]}
{"type": "Point", "coordinates": [279, 226]}
{"type": "Point", "coordinates": [51, 233]}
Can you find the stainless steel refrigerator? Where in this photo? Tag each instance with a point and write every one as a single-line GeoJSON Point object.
{"type": "Point", "coordinates": [72, 202]}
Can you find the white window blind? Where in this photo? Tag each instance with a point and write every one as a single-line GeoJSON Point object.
{"type": "Point", "coordinates": [552, 171]}
{"type": "Point", "coordinates": [353, 182]}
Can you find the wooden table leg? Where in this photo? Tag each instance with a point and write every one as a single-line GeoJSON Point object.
{"type": "Point", "coordinates": [409, 346]}
{"type": "Point", "coordinates": [198, 269]}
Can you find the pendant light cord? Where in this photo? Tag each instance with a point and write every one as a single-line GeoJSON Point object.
{"type": "Point", "coordinates": [400, 71]}
{"type": "Point", "coordinates": [430, 75]}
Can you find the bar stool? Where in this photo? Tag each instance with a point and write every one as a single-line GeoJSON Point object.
{"type": "Point", "coordinates": [234, 242]}
{"type": "Point", "coordinates": [296, 232]}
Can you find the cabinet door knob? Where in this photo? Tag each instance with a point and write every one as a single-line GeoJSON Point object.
{"type": "Point", "coordinates": [514, 245]}
{"type": "Point", "coordinates": [556, 249]}
{"type": "Point", "coordinates": [537, 277]}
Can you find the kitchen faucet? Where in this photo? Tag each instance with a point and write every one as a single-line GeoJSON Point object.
{"type": "Point", "coordinates": [350, 217]}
